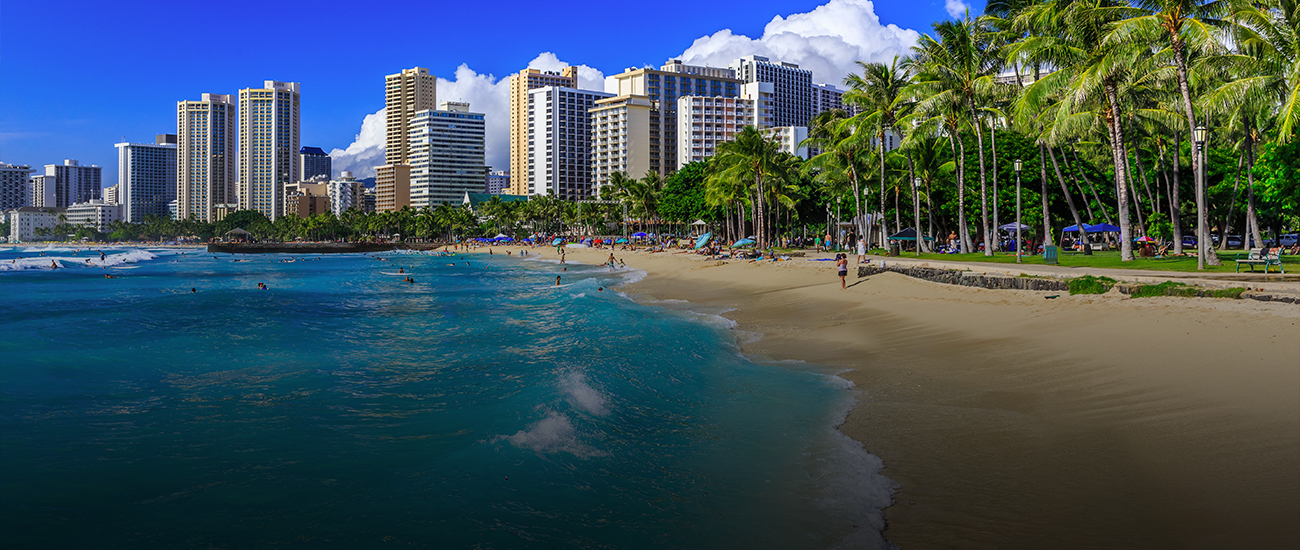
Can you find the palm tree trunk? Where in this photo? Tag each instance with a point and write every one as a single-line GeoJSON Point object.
{"type": "Point", "coordinates": [860, 220]}
{"type": "Point", "coordinates": [1078, 222]}
{"type": "Point", "coordinates": [1202, 219]}
{"type": "Point", "coordinates": [882, 190]}
{"type": "Point", "coordinates": [1137, 198]}
{"type": "Point", "coordinates": [962, 227]}
{"type": "Point", "coordinates": [1251, 220]}
{"type": "Point", "coordinates": [993, 144]}
{"type": "Point", "coordinates": [1175, 207]}
{"type": "Point", "coordinates": [1042, 179]}
{"type": "Point", "coordinates": [984, 197]}
{"type": "Point", "coordinates": [1121, 170]}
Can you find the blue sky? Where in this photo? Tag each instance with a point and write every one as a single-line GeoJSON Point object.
{"type": "Point", "coordinates": [80, 76]}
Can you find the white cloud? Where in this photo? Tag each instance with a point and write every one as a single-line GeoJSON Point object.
{"type": "Point", "coordinates": [956, 8]}
{"type": "Point", "coordinates": [828, 41]}
{"type": "Point", "coordinates": [485, 94]}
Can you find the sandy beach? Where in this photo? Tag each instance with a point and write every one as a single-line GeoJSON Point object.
{"type": "Point", "coordinates": [1014, 421]}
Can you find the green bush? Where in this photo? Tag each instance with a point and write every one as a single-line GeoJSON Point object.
{"type": "Point", "coordinates": [1088, 284]}
{"type": "Point", "coordinates": [1170, 288]}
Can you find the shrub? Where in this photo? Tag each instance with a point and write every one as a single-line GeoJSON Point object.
{"type": "Point", "coordinates": [1088, 284]}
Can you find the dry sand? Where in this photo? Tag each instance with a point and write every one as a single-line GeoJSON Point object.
{"type": "Point", "coordinates": [1014, 421]}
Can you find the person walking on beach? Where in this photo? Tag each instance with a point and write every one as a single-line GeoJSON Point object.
{"type": "Point", "coordinates": [842, 264]}
{"type": "Point", "coordinates": [862, 249]}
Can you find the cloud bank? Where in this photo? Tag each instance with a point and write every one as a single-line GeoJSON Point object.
{"type": "Point", "coordinates": [485, 93]}
{"type": "Point", "coordinates": [828, 41]}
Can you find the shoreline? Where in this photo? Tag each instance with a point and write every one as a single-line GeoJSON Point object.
{"type": "Point", "coordinates": [1012, 421]}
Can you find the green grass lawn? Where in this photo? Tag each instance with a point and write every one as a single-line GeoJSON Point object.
{"type": "Point", "coordinates": [1107, 260]}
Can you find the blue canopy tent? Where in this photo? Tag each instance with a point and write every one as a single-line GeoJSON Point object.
{"type": "Point", "coordinates": [640, 234]}
{"type": "Point", "coordinates": [1099, 228]}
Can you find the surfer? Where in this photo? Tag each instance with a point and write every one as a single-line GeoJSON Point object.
{"type": "Point", "coordinates": [53, 265]}
{"type": "Point", "coordinates": [557, 280]}
{"type": "Point", "coordinates": [107, 276]}
{"type": "Point", "coordinates": [401, 270]}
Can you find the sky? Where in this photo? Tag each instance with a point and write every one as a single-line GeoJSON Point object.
{"type": "Point", "coordinates": [81, 76]}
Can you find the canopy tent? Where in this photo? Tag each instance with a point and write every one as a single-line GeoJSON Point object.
{"type": "Point", "coordinates": [699, 222]}
{"type": "Point", "coordinates": [640, 234]}
{"type": "Point", "coordinates": [238, 231]}
{"type": "Point", "coordinates": [1099, 228]}
{"type": "Point", "coordinates": [908, 234]}
{"type": "Point", "coordinates": [1012, 226]}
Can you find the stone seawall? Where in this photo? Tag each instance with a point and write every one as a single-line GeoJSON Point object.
{"type": "Point", "coordinates": [966, 278]}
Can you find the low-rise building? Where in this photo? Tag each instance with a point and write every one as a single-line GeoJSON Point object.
{"type": "Point", "coordinates": [94, 213]}
{"type": "Point", "coordinates": [499, 182]}
{"type": "Point", "coordinates": [346, 192]}
{"type": "Point", "coordinates": [220, 211]}
{"type": "Point", "coordinates": [789, 139]}
{"type": "Point", "coordinates": [24, 221]}
{"type": "Point", "coordinates": [306, 199]}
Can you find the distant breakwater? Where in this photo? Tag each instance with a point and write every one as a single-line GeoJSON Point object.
{"type": "Point", "coordinates": [316, 248]}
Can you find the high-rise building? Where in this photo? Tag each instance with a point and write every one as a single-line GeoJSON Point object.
{"type": "Point", "coordinates": [313, 162]}
{"type": "Point", "coordinates": [205, 156]}
{"type": "Point", "coordinates": [113, 194]}
{"type": "Point", "coordinates": [392, 187]}
{"type": "Point", "coordinates": [792, 86]}
{"type": "Point", "coordinates": [662, 88]}
{"type": "Point", "coordinates": [268, 145]}
{"type": "Point", "coordinates": [40, 191]}
{"type": "Point", "coordinates": [14, 185]}
{"type": "Point", "coordinates": [73, 183]}
{"type": "Point", "coordinates": [370, 202]}
{"type": "Point", "coordinates": [620, 130]}
{"type": "Point", "coordinates": [346, 192]}
{"type": "Point", "coordinates": [146, 173]}
{"type": "Point", "coordinates": [520, 84]}
{"type": "Point", "coordinates": [499, 182]}
{"type": "Point", "coordinates": [826, 97]}
{"type": "Point", "coordinates": [405, 94]}
{"type": "Point", "coordinates": [447, 153]}
{"type": "Point", "coordinates": [559, 141]}
{"type": "Point", "coordinates": [703, 123]}
{"type": "Point", "coordinates": [789, 138]}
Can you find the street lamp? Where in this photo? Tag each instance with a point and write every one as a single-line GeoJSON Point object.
{"type": "Point", "coordinates": [1200, 134]}
{"type": "Point", "coordinates": [1020, 165]}
{"type": "Point", "coordinates": [916, 202]}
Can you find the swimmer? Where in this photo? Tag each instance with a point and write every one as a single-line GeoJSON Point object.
{"type": "Point", "coordinates": [107, 276]}
{"type": "Point", "coordinates": [601, 289]}
{"type": "Point", "coordinates": [102, 255]}
{"type": "Point", "coordinates": [193, 290]}
{"type": "Point", "coordinates": [401, 270]}
{"type": "Point", "coordinates": [557, 280]}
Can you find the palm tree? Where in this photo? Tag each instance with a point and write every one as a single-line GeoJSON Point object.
{"type": "Point", "coordinates": [842, 158]}
{"type": "Point", "coordinates": [880, 92]}
{"type": "Point", "coordinates": [750, 157]}
{"type": "Point", "coordinates": [956, 74]}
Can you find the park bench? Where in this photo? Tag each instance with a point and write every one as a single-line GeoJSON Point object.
{"type": "Point", "coordinates": [1257, 256]}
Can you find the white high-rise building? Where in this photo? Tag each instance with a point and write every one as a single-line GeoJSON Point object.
{"type": "Point", "coordinates": [268, 145]}
{"type": "Point", "coordinates": [703, 123]}
{"type": "Point", "coordinates": [346, 192]}
{"type": "Point", "coordinates": [447, 154]}
{"type": "Point", "coordinates": [113, 194]}
{"type": "Point", "coordinates": [146, 176]}
{"type": "Point", "coordinates": [559, 141]}
{"type": "Point", "coordinates": [205, 155]}
{"type": "Point", "coordinates": [792, 87]}
{"type": "Point", "coordinates": [40, 191]}
{"type": "Point", "coordinates": [73, 182]}
{"type": "Point", "coordinates": [14, 185]}
{"type": "Point", "coordinates": [789, 138]}
{"type": "Point", "coordinates": [826, 97]}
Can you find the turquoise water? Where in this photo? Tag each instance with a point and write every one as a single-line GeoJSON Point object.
{"type": "Point", "coordinates": [480, 407]}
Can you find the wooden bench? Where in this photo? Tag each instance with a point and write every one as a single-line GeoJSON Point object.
{"type": "Point", "coordinates": [1257, 256]}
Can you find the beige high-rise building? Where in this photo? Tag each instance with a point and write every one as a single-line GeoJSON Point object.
{"type": "Point", "coordinates": [663, 88]}
{"type": "Point", "coordinates": [268, 145]}
{"type": "Point", "coordinates": [528, 79]}
{"type": "Point", "coordinates": [620, 127]}
{"type": "Point", "coordinates": [405, 93]}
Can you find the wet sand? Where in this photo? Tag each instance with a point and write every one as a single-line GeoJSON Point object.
{"type": "Point", "coordinates": [1014, 421]}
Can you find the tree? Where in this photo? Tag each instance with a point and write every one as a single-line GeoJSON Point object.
{"type": "Point", "coordinates": [750, 158]}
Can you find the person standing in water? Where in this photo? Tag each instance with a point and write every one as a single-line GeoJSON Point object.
{"type": "Point", "coordinates": [557, 280]}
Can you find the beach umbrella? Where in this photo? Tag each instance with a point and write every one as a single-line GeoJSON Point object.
{"type": "Point", "coordinates": [703, 240]}
{"type": "Point", "coordinates": [699, 222]}
{"type": "Point", "coordinates": [743, 242]}
{"type": "Point", "coordinates": [1012, 226]}
{"type": "Point", "coordinates": [908, 234]}
{"type": "Point", "coordinates": [621, 241]}
{"type": "Point", "coordinates": [639, 234]}
{"type": "Point", "coordinates": [556, 242]}
{"type": "Point", "coordinates": [1144, 239]}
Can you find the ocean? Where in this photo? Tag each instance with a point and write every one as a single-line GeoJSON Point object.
{"type": "Point", "coordinates": [480, 406]}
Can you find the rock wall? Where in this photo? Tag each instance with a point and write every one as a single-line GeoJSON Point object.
{"type": "Point", "coordinates": [966, 278]}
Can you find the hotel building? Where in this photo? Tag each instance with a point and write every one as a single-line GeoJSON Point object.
{"type": "Point", "coordinates": [703, 123]}
{"type": "Point", "coordinates": [24, 221]}
{"type": "Point", "coordinates": [662, 88]}
{"type": "Point", "coordinates": [792, 86]}
{"type": "Point", "coordinates": [306, 199]}
{"type": "Point", "coordinates": [313, 162]}
{"type": "Point", "coordinates": [447, 154]}
{"type": "Point", "coordinates": [405, 94]}
{"type": "Point", "coordinates": [520, 84]}
{"type": "Point", "coordinates": [499, 182]}
{"type": "Point", "coordinates": [789, 138]}
{"type": "Point", "coordinates": [559, 141]}
{"type": "Point", "coordinates": [40, 191]}
{"type": "Point", "coordinates": [346, 192]}
{"type": "Point", "coordinates": [205, 155]}
{"type": "Point", "coordinates": [73, 183]}
{"type": "Point", "coordinates": [826, 97]}
{"type": "Point", "coordinates": [14, 185]}
{"type": "Point", "coordinates": [96, 214]}
{"type": "Point", "coordinates": [268, 145]}
{"type": "Point", "coordinates": [146, 178]}
{"type": "Point", "coordinates": [620, 130]}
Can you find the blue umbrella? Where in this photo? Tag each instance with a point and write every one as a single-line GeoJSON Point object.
{"type": "Point", "coordinates": [703, 240]}
{"type": "Point", "coordinates": [556, 242]}
{"type": "Point", "coordinates": [743, 242]}
{"type": "Point", "coordinates": [621, 241]}
{"type": "Point", "coordinates": [640, 234]}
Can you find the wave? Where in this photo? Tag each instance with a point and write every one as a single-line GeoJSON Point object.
{"type": "Point", "coordinates": [65, 262]}
{"type": "Point", "coordinates": [550, 435]}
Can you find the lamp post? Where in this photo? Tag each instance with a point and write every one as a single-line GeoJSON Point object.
{"type": "Point", "coordinates": [1020, 165]}
{"type": "Point", "coordinates": [1200, 135]}
{"type": "Point", "coordinates": [916, 203]}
